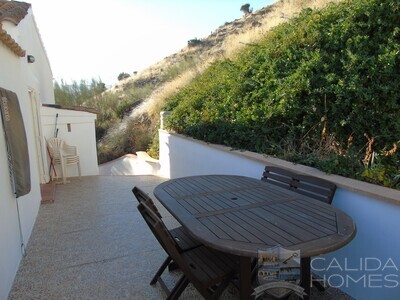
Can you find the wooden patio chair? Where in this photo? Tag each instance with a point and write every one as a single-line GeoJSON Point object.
{"type": "Point", "coordinates": [183, 239]}
{"type": "Point", "coordinates": [310, 186]}
{"type": "Point", "coordinates": [209, 271]}
{"type": "Point", "coordinates": [313, 187]}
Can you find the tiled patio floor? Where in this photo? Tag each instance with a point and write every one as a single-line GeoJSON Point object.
{"type": "Point", "coordinates": [92, 243]}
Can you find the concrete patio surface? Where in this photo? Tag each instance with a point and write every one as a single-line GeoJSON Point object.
{"type": "Point", "coordinates": [92, 243]}
{"type": "Point", "coordinates": [131, 164]}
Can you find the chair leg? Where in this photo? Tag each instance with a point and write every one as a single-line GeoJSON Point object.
{"type": "Point", "coordinates": [173, 266]}
{"type": "Point", "coordinates": [79, 168]}
{"type": "Point", "coordinates": [317, 283]}
{"type": "Point", "coordinates": [305, 276]}
{"type": "Point", "coordinates": [178, 288]}
{"type": "Point", "coordinates": [161, 270]}
{"type": "Point", "coordinates": [217, 291]}
{"type": "Point", "coordinates": [64, 172]}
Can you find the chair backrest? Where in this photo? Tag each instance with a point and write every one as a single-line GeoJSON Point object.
{"type": "Point", "coordinates": [161, 232]}
{"type": "Point", "coordinates": [142, 197]}
{"type": "Point", "coordinates": [203, 268]}
{"type": "Point", "coordinates": [310, 186]}
{"type": "Point", "coordinates": [55, 146]}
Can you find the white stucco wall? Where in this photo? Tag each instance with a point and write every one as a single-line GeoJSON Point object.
{"type": "Point", "coordinates": [369, 267]}
{"type": "Point", "coordinates": [37, 75]}
{"type": "Point", "coordinates": [20, 77]}
{"type": "Point", "coordinates": [375, 210]}
{"type": "Point", "coordinates": [10, 250]}
{"type": "Point", "coordinates": [82, 135]}
{"type": "Point", "coordinates": [185, 156]}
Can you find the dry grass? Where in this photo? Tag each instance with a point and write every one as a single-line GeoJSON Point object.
{"type": "Point", "coordinates": [152, 106]}
{"type": "Point", "coordinates": [267, 18]}
{"type": "Point", "coordinates": [278, 13]}
{"type": "Point", "coordinates": [223, 43]}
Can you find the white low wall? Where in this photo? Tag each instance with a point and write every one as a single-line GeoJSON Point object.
{"type": "Point", "coordinates": [368, 267]}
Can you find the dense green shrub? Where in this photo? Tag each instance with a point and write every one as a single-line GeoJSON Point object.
{"type": "Point", "coordinates": [322, 89]}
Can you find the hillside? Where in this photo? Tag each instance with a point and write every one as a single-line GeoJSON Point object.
{"type": "Point", "coordinates": [321, 90]}
{"type": "Point", "coordinates": [225, 40]}
{"type": "Point", "coordinates": [140, 97]}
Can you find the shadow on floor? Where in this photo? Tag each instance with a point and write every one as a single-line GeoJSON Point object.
{"type": "Point", "coordinates": [92, 243]}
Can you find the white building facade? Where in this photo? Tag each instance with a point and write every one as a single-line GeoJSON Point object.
{"type": "Point", "coordinates": [25, 70]}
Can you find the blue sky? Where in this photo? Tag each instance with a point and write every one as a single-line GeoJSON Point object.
{"type": "Point", "coordinates": [87, 39]}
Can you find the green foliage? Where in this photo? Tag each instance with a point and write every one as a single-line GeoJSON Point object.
{"type": "Point", "coordinates": [107, 116]}
{"type": "Point", "coordinates": [90, 95]}
{"type": "Point", "coordinates": [76, 94]}
{"type": "Point", "coordinates": [138, 133]}
{"type": "Point", "coordinates": [123, 75]}
{"type": "Point", "coordinates": [245, 8]}
{"type": "Point", "coordinates": [112, 107]}
{"type": "Point", "coordinates": [132, 137]}
{"type": "Point", "coordinates": [194, 42]}
{"type": "Point", "coordinates": [154, 147]}
{"type": "Point", "coordinates": [382, 168]}
{"type": "Point", "coordinates": [175, 70]}
{"type": "Point", "coordinates": [133, 96]}
{"type": "Point", "coordinates": [309, 92]}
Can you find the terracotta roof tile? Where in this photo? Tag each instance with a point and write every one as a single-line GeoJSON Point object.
{"type": "Point", "coordinates": [14, 12]}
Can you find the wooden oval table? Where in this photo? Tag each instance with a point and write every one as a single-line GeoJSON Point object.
{"type": "Point", "coordinates": [241, 215]}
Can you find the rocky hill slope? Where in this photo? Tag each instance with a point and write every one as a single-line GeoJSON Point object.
{"type": "Point", "coordinates": [227, 38]}
{"type": "Point", "coordinates": [166, 76]}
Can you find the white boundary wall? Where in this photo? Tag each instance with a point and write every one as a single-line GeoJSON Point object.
{"type": "Point", "coordinates": [368, 267]}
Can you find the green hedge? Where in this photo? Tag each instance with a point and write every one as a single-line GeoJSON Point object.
{"type": "Point", "coordinates": [322, 89]}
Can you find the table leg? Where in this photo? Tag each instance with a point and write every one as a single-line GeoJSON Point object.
{"type": "Point", "coordinates": [306, 276]}
{"type": "Point", "coordinates": [245, 278]}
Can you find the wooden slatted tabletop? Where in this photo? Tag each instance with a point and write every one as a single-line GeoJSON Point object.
{"type": "Point", "coordinates": [241, 215]}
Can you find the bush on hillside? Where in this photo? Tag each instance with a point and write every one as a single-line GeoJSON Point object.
{"type": "Point", "coordinates": [122, 76]}
{"type": "Point", "coordinates": [321, 90]}
{"type": "Point", "coordinates": [76, 94]}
